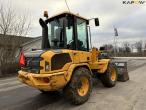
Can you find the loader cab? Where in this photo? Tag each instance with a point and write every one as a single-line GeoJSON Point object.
{"type": "Point", "coordinates": [66, 31]}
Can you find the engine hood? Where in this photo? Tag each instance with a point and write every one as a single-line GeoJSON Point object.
{"type": "Point", "coordinates": [36, 53]}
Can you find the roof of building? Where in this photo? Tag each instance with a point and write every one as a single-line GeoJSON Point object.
{"type": "Point", "coordinates": [16, 40]}
{"type": "Point", "coordinates": [32, 41]}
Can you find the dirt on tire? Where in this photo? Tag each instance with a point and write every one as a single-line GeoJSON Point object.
{"type": "Point", "coordinates": [71, 90]}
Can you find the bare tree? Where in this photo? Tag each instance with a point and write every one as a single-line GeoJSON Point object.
{"type": "Point", "coordinates": [108, 48]}
{"type": "Point", "coordinates": [8, 48]}
{"type": "Point", "coordinates": [145, 48]}
{"type": "Point", "coordinates": [138, 46]}
{"type": "Point", "coordinates": [132, 45]}
{"type": "Point", "coordinates": [126, 47]}
{"type": "Point", "coordinates": [14, 24]}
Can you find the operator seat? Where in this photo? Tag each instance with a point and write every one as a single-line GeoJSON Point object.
{"type": "Point", "coordinates": [57, 40]}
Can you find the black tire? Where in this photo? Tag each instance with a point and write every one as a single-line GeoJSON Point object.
{"type": "Point", "coordinates": [72, 89]}
{"type": "Point", "coordinates": [106, 78]}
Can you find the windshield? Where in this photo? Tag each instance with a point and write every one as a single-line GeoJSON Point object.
{"type": "Point", "coordinates": [60, 33]}
{"type": "Point", "coordinates": [55, 32]}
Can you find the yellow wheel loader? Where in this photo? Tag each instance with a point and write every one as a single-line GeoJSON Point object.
{"type": "Point", "coordinates": [66, 61]}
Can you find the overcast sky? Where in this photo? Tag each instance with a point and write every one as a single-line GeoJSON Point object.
{"type": "Point", "coordinates": [129, 19]}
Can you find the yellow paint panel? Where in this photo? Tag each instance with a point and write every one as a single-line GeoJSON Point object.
{"type": "Point", "coordinates": [56, 80]}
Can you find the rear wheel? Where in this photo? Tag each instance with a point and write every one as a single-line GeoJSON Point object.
{"type": "Point", "coordinates": [109, 78]}
{"type": "Point", "coordinates": [79, 88]}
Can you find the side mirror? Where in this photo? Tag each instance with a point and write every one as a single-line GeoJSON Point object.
{"type": "Point", "coordinates": [96, 22]}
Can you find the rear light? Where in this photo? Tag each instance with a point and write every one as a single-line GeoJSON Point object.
{"type": "Point", "coordinates": [22, 59]}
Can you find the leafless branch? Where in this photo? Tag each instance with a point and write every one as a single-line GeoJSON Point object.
{"type": "Point", "coordinates": [12, 23]}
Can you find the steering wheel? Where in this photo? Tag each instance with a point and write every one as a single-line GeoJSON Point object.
{"type": "Point", "coordinates": [69, 43]}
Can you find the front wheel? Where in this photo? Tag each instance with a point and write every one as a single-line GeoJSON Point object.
{"type": "Point", "coordinates": [79, 88]}
{"type": "Point", "coordinates": [109, 78]}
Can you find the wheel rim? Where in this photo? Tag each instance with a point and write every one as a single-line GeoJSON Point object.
{"type": "Point", "coordinates": [113, 74]}
{"type": "Point", "coordinates": [84, 86]}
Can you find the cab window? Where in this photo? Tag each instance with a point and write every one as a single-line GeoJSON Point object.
{"type": "Point", "coordinates": [81, 35]}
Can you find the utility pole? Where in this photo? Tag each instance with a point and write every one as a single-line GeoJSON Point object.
{"type": "Point", "coordinates": [115, 41]}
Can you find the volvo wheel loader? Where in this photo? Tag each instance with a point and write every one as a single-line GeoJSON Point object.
{"type": "Point", "coordinates": [66, 61]}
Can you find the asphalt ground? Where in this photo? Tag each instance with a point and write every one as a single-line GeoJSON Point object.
{"type": "Point", "coordinates": [130, 95]}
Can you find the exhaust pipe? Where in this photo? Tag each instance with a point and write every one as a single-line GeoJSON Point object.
{"type": "Point", "coordinates": [45, 40]}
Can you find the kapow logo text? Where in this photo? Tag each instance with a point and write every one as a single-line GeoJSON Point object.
{"type": "Point", "coordinates": [134, 2]}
